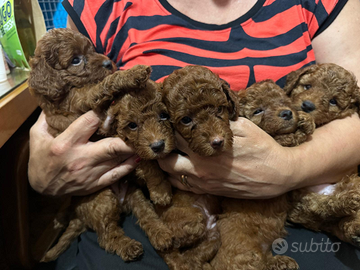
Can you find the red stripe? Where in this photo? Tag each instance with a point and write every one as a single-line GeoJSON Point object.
{"type": "Point", "coordinates": [276, 73]}
{"type": "Point", "coordinates": [269, 2]}
{"type": "Point", "coordinates": [136, 50]}
{"type": "Point", "coordinates": [276, 25]}
{"type": "Point", "coordinates": [329, 5]}
{"type": "Point", "coordinates": [88, 15]}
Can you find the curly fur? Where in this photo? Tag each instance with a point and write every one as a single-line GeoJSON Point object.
{"type": "Point", "coordinates": [200, 106]}
{"type": "Point", "coordinates": [249, 227]}
{"type": "Point", "coordinates": [69, 78]}
{"type": "Point", "coordinates": [327, 92]}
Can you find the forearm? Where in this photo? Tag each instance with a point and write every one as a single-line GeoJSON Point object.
{"type": "Point", "coordinates": [331, 153]}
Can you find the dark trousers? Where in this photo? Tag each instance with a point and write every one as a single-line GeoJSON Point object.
{"type": "Point", "coordinates": [312, 251]}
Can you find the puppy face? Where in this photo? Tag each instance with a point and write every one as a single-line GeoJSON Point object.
{"type": "Point", "coordinates": [267, 105]}
{"type": "Point", "coordinates": [200, 106]}
{"type": "Point", "coordinates": [64, 59]}
{"type": "Point", "coordinates": [142, 121]}
{"type": "Point", "coordinates": [326, 91]}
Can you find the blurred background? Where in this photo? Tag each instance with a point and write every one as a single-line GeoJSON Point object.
{"type": "Point", "coordinates": [54, 13]}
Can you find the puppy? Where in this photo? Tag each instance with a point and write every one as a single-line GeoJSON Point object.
{"type": "Point", "coordinates": [327, 92]}
{"type": "Point", "coordinates": [69, 78]}
{"type": "Point", "coordinates": [249, 227]}
{"type": "Point", "coordinates": [200, 105]}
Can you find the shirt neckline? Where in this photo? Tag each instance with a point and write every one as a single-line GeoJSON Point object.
{"type": "Point", "coordinates": [235, 22]}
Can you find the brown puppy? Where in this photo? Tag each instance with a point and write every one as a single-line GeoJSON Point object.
{"type": "Point", "coordinates": [69, 78]}
{"type": "Point", "coordinates": [327, 92]}
{"type": "Point", "coordinates": [249, 227]}
{"type": "Point", "coordinates": [141, 120]}
{"type": "Point", "coordinates": [200, 106]}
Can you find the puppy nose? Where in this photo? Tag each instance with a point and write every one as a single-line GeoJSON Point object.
{"type": "Point", "coordinates": [308, 106]}
{"type": "Point", "coordinates": [158, 146]}
{"type": "Point", "coordinates": [217, 142]}
{"type": "Point", "coordinates": [286, 114]}
{"type": "Point", "coordinates": [107, 64]}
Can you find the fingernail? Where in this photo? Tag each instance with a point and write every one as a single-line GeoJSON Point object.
{"type": "Point", "coordinates": [138, 159]}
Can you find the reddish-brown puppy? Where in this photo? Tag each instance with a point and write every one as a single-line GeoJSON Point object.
{"type": "Point", "coordinates": [69, 78]}
{"type": "Point", "coordinates": [327, 92]}
{"type": "Point", "coordinates": [200, 105]}
{"type": "Point", "coordinates": [249, 227]}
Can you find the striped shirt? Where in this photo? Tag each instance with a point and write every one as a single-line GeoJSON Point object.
{"type": "Point", "coordinates": [272, 39]}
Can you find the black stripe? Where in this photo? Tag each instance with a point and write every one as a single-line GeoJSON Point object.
{"type": "Point", "coordinates": [339, 6]}
{"type": "Point", "coordinates": [112, 31]}
{"type": "Point", "coordinates": [75, 17]}
{"type": "Point", "coordinates": [235, 42]}
{"type": "Point", "coordinates": [236, 22]}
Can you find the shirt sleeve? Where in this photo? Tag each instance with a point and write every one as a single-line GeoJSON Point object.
{"type": "Point", "coordinates": [95, 19]}
{"type": "Point", "coordinates": [319, 14]}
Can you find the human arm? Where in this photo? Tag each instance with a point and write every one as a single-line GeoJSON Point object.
{"type": "Point", "coordinates": [260, 168]}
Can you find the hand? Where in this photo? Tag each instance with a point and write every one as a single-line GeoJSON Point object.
{"type": "Point", "coordinates": [71, 164]}
{"type": "Point", "coordinates": [257, 166]}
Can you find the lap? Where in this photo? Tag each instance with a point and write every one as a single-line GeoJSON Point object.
{"type": "Point", "coordinates": [311, 250]}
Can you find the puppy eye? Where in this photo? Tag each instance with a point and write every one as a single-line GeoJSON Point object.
{"type": "Point", "coordinates": [220, 110]}
{"type": "Point", "coordinates": [307, 86]}
{"type": "Point", "coordinates": [164, 116]}
{"type": "Point", "coordinates": [186, 120]}
{"type": "Point", "coordinates": [258, 111]}
{"type": "Point", "coordinates": [76, 61]}
{"type": "Point", "coordinates": [333, 102]}
{"type": "Point", "coordinates": [132, 126]}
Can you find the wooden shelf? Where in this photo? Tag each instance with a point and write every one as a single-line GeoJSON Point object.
{"type": "Point", "coordinates": [15, 107]}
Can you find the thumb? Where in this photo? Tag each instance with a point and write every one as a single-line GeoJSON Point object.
{"type": "Point", "coordinates": [82, 128]}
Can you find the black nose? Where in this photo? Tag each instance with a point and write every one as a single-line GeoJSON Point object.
{"type": "Point", "coordinates": [107, 64]}
{"type": "Point", "coordinates": [286, 114]}
{"type": "Point", "coordinates": [218, 142]}
{"type": "Point", "coordinates": [158, 146]}
{"type": "Point", "coordinates": [308, 106]}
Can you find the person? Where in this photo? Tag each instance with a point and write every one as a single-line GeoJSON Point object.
{"type": "Point", "coordinates": [242, 41]}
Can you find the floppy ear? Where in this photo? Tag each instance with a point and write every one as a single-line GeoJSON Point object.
{"type": "Point", "coordinates": [45, 81]}
{"type": "Point", "coordinates": [242, 100]}
{"type": "Point", "coordinates": [292, 79]}
{"type": "Point", "coordinates": [356, 98]}
{"type": "Point", "coordinates": [232, 101]}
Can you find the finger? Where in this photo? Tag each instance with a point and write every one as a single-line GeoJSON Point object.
{"type": "Point", "coordinates": [81, 129]}
{"type": "Point", "coordinates": [177, 164]}
{"type": "Point", "coordinates": [40, 127]}
{"type": "Point", "coordinates": [176, 182]}
{"type": "Point", "coordinates": [118, 172]}
{"type": "Point", "coordinates": [110, 149]}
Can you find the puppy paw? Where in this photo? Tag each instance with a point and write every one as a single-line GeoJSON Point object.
{"type": "Point", "coordinates": [306, 123]}
{"type": "Point", "coordinates": [190, 229]}
{"type": "Point", "coordinates": [351, 231]}
{"type": "Point", "coordinates": [139, 75]}
{"type": "Point", "coordinates": [130, 251]}
{"type": "Point", "coordinates": [160, 237]}
{"type": "Point", "coordinates": [160, 198]}
{"type": "Point", "coordinates": [281, 263]}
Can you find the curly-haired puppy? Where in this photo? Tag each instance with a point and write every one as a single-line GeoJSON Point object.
{"type": "Point", "coordinates": [69, 78]}
{"type": "Point", "coordinates": [200, 105]}
{"type": "Point", "coordinates": [327, 92]}
{"type": "Point", "coordinates": [249, 227]}
{"type": "Point", "coordinates": [141, 120]}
